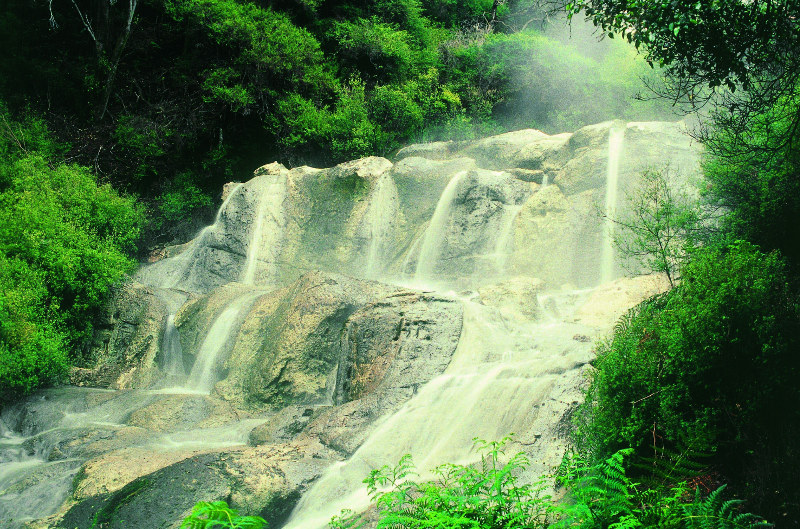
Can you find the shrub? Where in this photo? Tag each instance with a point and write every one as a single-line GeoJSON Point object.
{"type": "Point", "coordinates": [488, 495]}
{"type": "Point", "coordinates": [711, 366]}
{"type": "Point", "coordinates": [64, 240]}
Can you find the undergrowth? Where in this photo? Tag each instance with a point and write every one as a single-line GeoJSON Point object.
{"type": "Point", "coordinates": [490, 495]}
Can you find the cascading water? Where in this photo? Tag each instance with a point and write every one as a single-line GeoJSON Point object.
{"type": "Point", "coordinates": [498, 375]}
{"type": "Point", "coordinates": [379, 222]}
{"type": "Point", "coordinates": [513, 370]}
{"type": "Point", "coordinates": [203, 375]}
{"type": "Point", "coordinates": [267, 231]}
{"type": "Point", "coordinates": [616, 137]}
{"type": "Point", "coordinates": [504, 239]}
{"type": "Point", "coordinates": [171, 273]}
{"type": "Point", "coordinates": [171, 347]}
{"type": "Point", "coordinates": [433, 238]}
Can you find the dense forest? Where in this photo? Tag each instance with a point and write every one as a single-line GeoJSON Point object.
{"type": "Point", "coordinates": [120, 121]}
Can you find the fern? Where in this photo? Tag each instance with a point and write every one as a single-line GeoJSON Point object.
{"type": "Point", "coordinates": [217, 514]}
{"type": "Point", "coordinates": [714, 512]}
{"type": "Point", "coordinates": [674, 466]}
{"type": "Point", "coordinates": [484, 496]}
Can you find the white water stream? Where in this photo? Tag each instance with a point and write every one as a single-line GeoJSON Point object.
{"type": "Point", "coordinates": [267, 231]}
{"type": "Point", "coordinates": [502, 247]}
{"type": "Point", "coordinates": [616, 137]}
{"type": "Point", "coordinates": [203, 375]}
{"type": "Point", "coordinates": [171, 273]}
{"type": "Point", "coordinates": [171, 347]}
{"type": "Point", "coordinates": [379, 222]}
{"type": "Point", "coordinates": [505, 368]}
{"type": "Point", "coordinates": [434, 236]}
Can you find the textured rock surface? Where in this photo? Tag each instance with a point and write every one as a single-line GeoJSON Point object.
{"type": "Point", "coordinates": [288, 349]}
{"type": "Point", "coordinates": [517, 295]}
{"type": "Point", "coordinates": [557, 238]}
{"type": "Point", "coordinates": [127, 340]}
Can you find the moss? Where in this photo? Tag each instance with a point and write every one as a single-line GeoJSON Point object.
{"type": "Point", "coordinates": [123, 496]}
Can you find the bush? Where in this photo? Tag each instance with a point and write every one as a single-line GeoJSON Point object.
{"type": "Point", "coordinates": [489, 495]}
{"type": "Point", "coordinates": [32, 350]}
{"type": "Point", "coordinates": [755, 176]}
{"type": "Point", "coordinates": [208, 515]}
{"type": "Point", "coordinates": [710, 367]}
{"type": "Point", "coordinates": [64, 240]}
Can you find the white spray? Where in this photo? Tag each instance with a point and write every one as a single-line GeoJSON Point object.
{"type": "Point", "coordinates": [616, 137]}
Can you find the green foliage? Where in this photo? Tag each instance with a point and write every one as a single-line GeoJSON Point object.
{"type": "Point", "coordinates": [32, 349]}
{"type": "Point", "coordinates": [488, 495]}
{"type": "Point", "coordinates": [207, 515]}
{"type": "Point", "coordinates": [603, 496]}
{"type": "Point", "coordinates": [714, 512]}
{"type": "Point", "coordinates": [753, 176]}
{"type": "Point", "coordinates": [374, 50]}
{"type": "Point", "coordinates": [303, 82]}
{"type": "Point", "coordinates": [267, 47]}
{"type": "Point", "coordinates": [180, 200]}
{"type": "Point", "coordinates": [689, 34]}
{"type": "Point", "coordinates": [529, 80]}
{"type": "Point", "coordinates": [710, 365]}
{"type": "Point", "coordinates": [64, 241]}
{"type": "Point", "coordinates": [660, 226]}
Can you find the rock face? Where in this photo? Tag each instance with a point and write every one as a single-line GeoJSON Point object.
{"type": "Point", "coordinates": [128, 340]}
{"type": "Point", "coordinates": [341, 315]}
{"type": "Point", "coordinates": [311, 367]}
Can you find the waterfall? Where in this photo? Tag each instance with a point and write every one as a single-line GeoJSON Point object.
{"type": "Point", "coordinates": [270, 210]}
{"type": "Point", "coordinates": [379, 222]}
{"type": "Point", "coordinates": [545, 180]}
{"type": "Point", "coordinates": [497, 378]}
{"type": "Point", "coordinates": [434, 236]}
{"type": "Point", "coordinates": [171, 347]}
{"type": "Point", "coordinates": [616, 137]}
{"type": "Point", "coordinates": [501, 247]}
{"type": "Point", "coordinates": [171, 272]}
{"type": "Point", "coordinates": [203, 375]}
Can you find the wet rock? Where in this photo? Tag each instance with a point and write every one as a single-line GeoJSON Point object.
{"type": "Point", "coordinates": [284, 425]}
{"type": "Point", "coordinates": [557, 238]}
{"type": "Point", "coordinates": [527, 149]}
{"type": "Point", "coordinates": [518, 295]}
{"type": "Point", "coordinates": [392, 346]}
{"type": "Point", "coordinates": [262, 480]}
{"type": "Point", "coordinates": [126, 340]}
{"type": "Point", "coordinates": [367, 168]}
{"type": "Point", "coordinates": [288, 348]}
{"type": "Point", "coordinates": [610, 301]}
{"type": "Point", "coordinates": [436, 150]}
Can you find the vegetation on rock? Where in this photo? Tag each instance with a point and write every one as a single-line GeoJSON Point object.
{"type": "Point", "coordinates": [64, 241]}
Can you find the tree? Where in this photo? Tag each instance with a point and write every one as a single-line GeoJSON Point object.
{"type": "Point", "coordinates": [744, 57]}
{"type": "Point", "coordinates": [109, 28]}
{"type": "Point", "coordinates": [660, 227]}
{"type": "Point", "coordinates": [64, 240]}
{"type": "Point", "coordinates": [709, 367]}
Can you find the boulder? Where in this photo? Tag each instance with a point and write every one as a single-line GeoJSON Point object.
{"type": "Point", "coordinates": [610, 301]}
{"type": "Point", "coordinates": [288, 348]}
{"type": "Point", "coordinates": [557, 238]}
{"type": "Point", "coordinates": [126, 341]}
{"type": "Point", "coordinates": [514, 296]}
{"type": "Point", "coordinates": [527, 149]}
